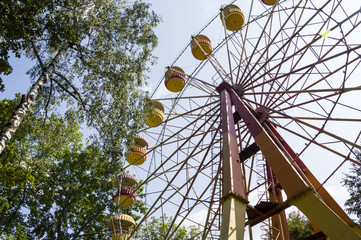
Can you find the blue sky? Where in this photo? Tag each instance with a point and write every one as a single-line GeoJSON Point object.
{"type": "Point", "coordinates": [181, 19]}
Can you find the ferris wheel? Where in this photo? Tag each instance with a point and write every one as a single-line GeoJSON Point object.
{"type": "Point", "coordinates": [263, 116]}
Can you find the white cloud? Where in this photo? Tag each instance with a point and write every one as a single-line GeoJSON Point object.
{"type": "Point", "coordinates": [199, 217]}
{"type": "Point", "coordinates": [339, 193]}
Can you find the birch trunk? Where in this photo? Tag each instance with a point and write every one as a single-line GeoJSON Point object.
{"type": "Point", "coordinates": [27, 99]}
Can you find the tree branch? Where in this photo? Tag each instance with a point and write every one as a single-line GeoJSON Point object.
{"type": "Point", "coordinates": [13, 123]}
{"type": "Point", "coordinates": [77, 99]}
{"type": "Point", "coordinates": [37, 54]}
{"type": "Point", "coordinates": [73, 87]}
{"type": "Point", "coordinates": [66, 90]}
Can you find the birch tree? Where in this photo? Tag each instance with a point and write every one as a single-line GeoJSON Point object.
{"type": "Point", "coordinates": [92, 55]}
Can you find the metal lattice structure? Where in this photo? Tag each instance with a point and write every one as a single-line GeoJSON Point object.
{"type": "Point", "coordinates": [284, 84]}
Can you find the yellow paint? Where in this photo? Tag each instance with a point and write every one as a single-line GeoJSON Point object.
{"type": "Point", "coordinates": [158, 105]}
{"type": "Point", "coordinates": [233, 18]}
{"type": "Point", "coordinates": [331, 203]}
{"type": "Point", "coordinates": [357, 229]}
{"type": "Point", "coordinates": [323, 217]}
{"type": "Point", "coordinates": [118, 236]}
{"type": "Point", "coordinates": [120, 221]}
{"type": "Point", "coordinates": [234, 21]}
{"type": "Point", "coordinates": [270, 2]}
{"type": "Point", "coordinates": [199, 51]}
{"type": "Point", "coordinates": [156, 118]}
{"type": "Point", "coordinates": [201, 47]}
{"type": "Point", "coordinates": [325, 34]}
{"type": "Point", "coordinates": [300, 191]}
{"type": "Point", "coordinates": [172, 70]}
{"type": "Point", "coordinates": [136, 158]}
{"type": "Point", "coordinates": [175, 84]}
{"type": "Point", "coordinates": [119, 201]}
{"type": "Point", "coordinates": [233, 218]}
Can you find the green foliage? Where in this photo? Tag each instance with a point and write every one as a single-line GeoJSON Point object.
{"type": "Point", "coordinates": [353, 183]}
{"type": "Point", "coordinates": [24, 21]}
{"type": "Point", "coordinates": [299, 226]}
{"type": "Point", "coordinates": [110, 65]}
{"type": "Point", "coordinates": [19, 233]}
{"type": "Point", "coordinates": [104, 69]}
{"type": "Point", "coordinates": [156, 228]}
{"type": "Point", "coordinates": [51, 185]}
{"type": "Point", "coordinates": [15, 174]}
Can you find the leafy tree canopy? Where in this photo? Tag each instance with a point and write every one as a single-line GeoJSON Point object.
{"type": "Point", "coordinates": [156, 228]}
{"type": "Point", "coordinates": [105, 51]}
{"type": "Point", "coordinates": [24, 22]}
{"type": "Point", "coordinates": [51, 185]}
{"type": "Point", "coordinates": [299, 226]}
{"type": "Point", "coordinates": [92, 59]}
{"type": "Point", "coordinates": [52, 23]}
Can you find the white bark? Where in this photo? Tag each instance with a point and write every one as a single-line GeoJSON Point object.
{"type": "Point", "coordinates": [26, 101]}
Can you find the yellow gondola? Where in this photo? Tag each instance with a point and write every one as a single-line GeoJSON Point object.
{"type": "Point", "coordinates": [140, 141]}
{"type": "Point", "coordinates": [158, 105]}
{"type": "Point", "coordinates": [118, 236]}
{"type": "Point", "coordinates": [157, 116]}
{"type": "Point", "coordinates": [121, 223]}
{"type": "Point", "coordinates": [201, 46]}
{"type": "Point", "coordinates": [232, 17]}
{"type": "Point", "coordinates": [175, 79]}
{"type": "Point", "coordinates": [121, 197]}
{"type": "Point", "coordinates": [137, 156]}
{"type": "Point", "coordinates": [270, 2]}
{"type": "Point", "coordinates": [127, 180]}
